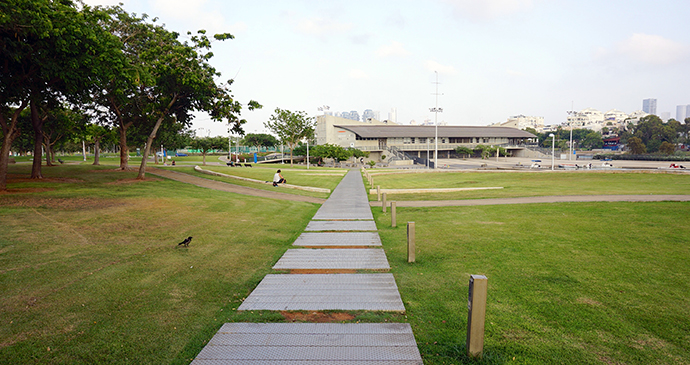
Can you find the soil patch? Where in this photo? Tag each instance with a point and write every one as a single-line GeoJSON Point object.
{"type": "Point", "coordinates": [317, 317]}
{"type": "Point", "coordinates": [132, 181]}
{"type": "Point", "coordinates": [14, 178]}
{"type": "Point", "coordinates": [59, 203]}
{"type": "Point", "coordinates": [25, 190]}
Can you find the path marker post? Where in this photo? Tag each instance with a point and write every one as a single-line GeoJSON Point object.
{"type": "Point", "coordinates": [384, 202]}
{"type": "Point", "coordinates": [410, 242]}
{"type": "Point", "coordinates": [476, 305]}
{"type": "Point", "coordinates": [393, 218]}
{"type": "Point", "coordinates": [378, 193]}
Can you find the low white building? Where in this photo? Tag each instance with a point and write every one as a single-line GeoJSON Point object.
{"type": "Point", "coordinates": [522, 122]}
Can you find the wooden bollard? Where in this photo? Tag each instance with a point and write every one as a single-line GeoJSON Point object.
{"type": "Point", "coordinates": [378, 193]}
{"type": "Point", "coordinates": [393, 220]}
{"type": "Point", "coordinates": [410, 242]}
{"type": "Point", "coordinates": [383, 200]}
{"type": "Point", "coordinates": [476, 305]}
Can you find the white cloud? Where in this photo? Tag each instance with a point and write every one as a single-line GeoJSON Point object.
{"type": "Point", "coordinates": [102, 2]}
{"type": "Point", "coordinates": [358, 74]}
{"type": "Point", "coordinates": [395, 49]}
{"type": "Point", "coordinates": [193, 13]}
{"type": "Point", "coordinates": [441, 69]}
{"type": "Point", "coordinates": [487, 9]}
{"type": "Point", "coordinates": [322, 26]}
{"type": "Point", "coordinates": [653, 49]}
{"type": "Point", "coordinates": [514, 73]}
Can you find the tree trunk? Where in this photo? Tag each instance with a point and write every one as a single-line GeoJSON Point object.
{"type": "Point", "coordinates": [149, 141]}
{"type": "Point", "coordinates": [96, 152]}
{"type": "Point", "coordinates": [38, 141]}
{"type": "Point", "coordinates": [203, 155]}
{"type": "Point", "coordinates": [10, 133]}
{"type": "Point", "coordinates": [124, 151]}
{"type": "Point", "coordinates": [49, 151]}
{"type": "Point", "coordinates": [147, 150]}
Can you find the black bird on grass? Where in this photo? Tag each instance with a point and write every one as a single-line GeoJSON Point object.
{"type": "Point", "coordinates": [186, 242]}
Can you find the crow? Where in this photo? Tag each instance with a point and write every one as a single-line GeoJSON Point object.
{"type": "Point", "coordinates": [186, 242]}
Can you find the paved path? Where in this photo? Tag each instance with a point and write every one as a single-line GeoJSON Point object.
{"type": "Point", "coordinates": [346, 210]}
{"type": "Point", "coordinates": [538, 199]}
{"type": "Point", "coordinates": [218, 185]}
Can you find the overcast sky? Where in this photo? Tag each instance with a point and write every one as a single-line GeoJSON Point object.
{"type": "Point", "coordinates": [494, 58]}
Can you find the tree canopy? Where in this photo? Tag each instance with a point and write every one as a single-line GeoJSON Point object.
{"type": "Point", "coordinates": [291, 127]}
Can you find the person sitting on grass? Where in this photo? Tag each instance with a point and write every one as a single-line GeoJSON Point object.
{"type": "Point", "coordinates": [278, 179]}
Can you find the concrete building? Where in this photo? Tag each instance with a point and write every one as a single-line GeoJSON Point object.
{"type": "Point", "coordinates": [649, 106]}
{"type": "Point", "coordinates": [368, 113]}
{"type": "Point", "coordinates": [522, 122]}
{"type": "Point", "coordinates": [379, 138]}
{"type": "Point", "coordinates": [682, 112]}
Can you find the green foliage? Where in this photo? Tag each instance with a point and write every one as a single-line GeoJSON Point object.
{"type": "Point", "coordinates": [462, 150]}
{"type": "Point", "coordinates": [260, 139]}
{"type": "Point", "coordinates": [205, 144]}
{"type": "Point", "coordinates": [291, 127]}
{"type": "Point", "coordinates": [667, 148]}
{"type": "Point", "coordinates": [636, 146]}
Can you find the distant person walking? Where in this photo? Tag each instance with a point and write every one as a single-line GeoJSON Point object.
{"type": "Point", "coordinates": [278, 179]}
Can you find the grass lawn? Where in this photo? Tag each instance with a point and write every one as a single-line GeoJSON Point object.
{"type": "Point", "coordinates": [90, 271]}
{"type": "Point", "coordinates": [576, 283]}
{"type": "Point", "coordinates": [320, 178]}
{"type": "Point", "coordinates": [521, 184]}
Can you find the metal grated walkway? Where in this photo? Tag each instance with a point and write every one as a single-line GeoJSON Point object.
{"type": "Point", "coordinates": [345, 211]}
{"type": "Point", "coordinates": [329, 259]}
{"type": "Point", "coordinates": [335, 239]}
{"type": "Point", "coordinates": [312, 343]}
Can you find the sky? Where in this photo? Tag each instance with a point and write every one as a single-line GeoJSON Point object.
{"type": "Point", "coordinates": [493, 58]}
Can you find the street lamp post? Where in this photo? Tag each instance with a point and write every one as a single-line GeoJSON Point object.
{"type": "Point", "coordinates": [436, 110]}
{"type": "Point", "coordinates": [572, 113]}
{"type": "Point", "coordinates": [307, 153]}
{"type": "Point", "coordinates": [553, 147]}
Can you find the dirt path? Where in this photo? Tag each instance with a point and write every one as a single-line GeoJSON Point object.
{"type": "Point", "coordinates": [539, 199]}
{"type": "Point", "coordinates": [217, 185]}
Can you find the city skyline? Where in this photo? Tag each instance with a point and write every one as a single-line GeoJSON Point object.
{"type": "Point", "coordinates": [494, 59]}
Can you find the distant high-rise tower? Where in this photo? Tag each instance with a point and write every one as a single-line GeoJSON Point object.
{"type": "Point", "coordinates": [682, 112]}
{"type": "Point", "coordinates": [649, 106]}
{"type": "Point", "coordinates": [393, 115]}
{"type": "Point", "coordinates": [368, 113]}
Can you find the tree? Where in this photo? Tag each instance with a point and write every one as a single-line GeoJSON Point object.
{"type": "Point", "coordinates": [592, 140]}
{"type": "Point", "coordinates": [636, 146]}
{"type": "Point", "coordinates": [667, 148]}
{"type": "Point", "coordinates": [259, 139]}
{"type": "Point", "coordinates": [291, 127]}
{"type": "Point", "coordinates": [182, 81]}
{"type": "Point", "coordinates": [205, 144]}
{"type": "Point", "coordinates": [51, 51]}
{"type": "Point", "coordinates": [462, 150]}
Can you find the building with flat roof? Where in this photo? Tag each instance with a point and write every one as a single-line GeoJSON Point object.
{"type": "Point", "coordinates": [649, 106]}
{"type": "Point", "coordinates": [380, 138]}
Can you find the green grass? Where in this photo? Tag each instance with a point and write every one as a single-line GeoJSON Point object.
{"type": "Point", "coordinates": [91, 273]}
{"type": "Point", "coordinates": [580, 283]}
{"type": "Point", "coordinates": [524, 184]}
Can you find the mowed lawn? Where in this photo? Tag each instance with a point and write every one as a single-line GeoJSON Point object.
{"type": "Point", "coordinates": [523, 184]}
{"type": "Point", "coordinates": [575, 283]}
{"type": "Point", "coordinates": [90, 271]}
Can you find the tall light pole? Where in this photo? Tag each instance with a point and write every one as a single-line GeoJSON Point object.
{"type": "Point", "coordinates": [553, 147]}
{"type": "Point", "coordinates": [436, 110]}
{"type": "Point", "coordinates": [571, 113]}
{"type": "Point", "coordinates": [307, 153]}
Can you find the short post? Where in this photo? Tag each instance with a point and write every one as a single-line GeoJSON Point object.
{"type": "Point", "coordinates": [393, 220]}
{"type": "Point", "coordinates": [476, 305]}
{"type": "Point", "coordinates": [384, 202]}
{"type": "Point", "coordinates": [378, 193]}
{"type": "Point", "coordinates": [410, 242]}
